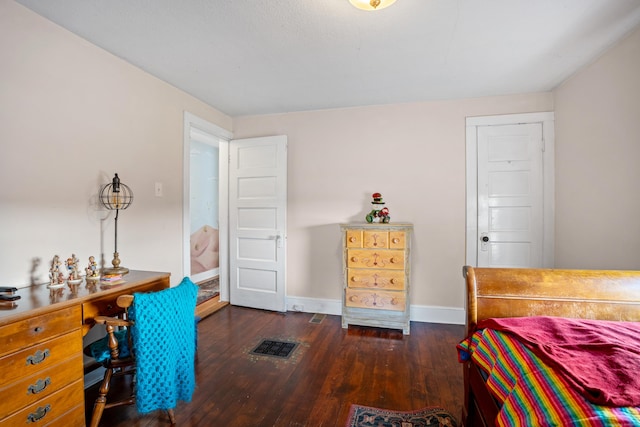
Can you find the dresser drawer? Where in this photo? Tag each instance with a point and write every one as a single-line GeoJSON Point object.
{"type": "Point", "coordinates": [354, 238]}
{"type": "Point", "coordinates": [73, 418]}
{"type": "Point", "coordinates": [397, 239]}
{"type": "Point", "coordinates": [367, 258]}
{"type": "Point", "coordinates": [375, 279]}
{"type": "Point", "coordinates": [34, 359]}
{"type": "Point", "coordinates": [37, 329]}
{"type": "Point", "coordinates": [29, 390]}
{"type": "Point", "coordinates": [375, 239]}
{"type": "Point", "coordinates": [373, 299]}
{"type": "Point", "coordinates": [49, 409]}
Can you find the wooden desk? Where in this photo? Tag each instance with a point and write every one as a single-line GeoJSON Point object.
{"type": "Point", "coordinates": [41, 370]}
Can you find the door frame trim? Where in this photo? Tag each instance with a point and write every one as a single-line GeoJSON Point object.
{"type": "Point", "coordinates": [191, 120]}
{"type": "Point", "coordinates": [547, 119]}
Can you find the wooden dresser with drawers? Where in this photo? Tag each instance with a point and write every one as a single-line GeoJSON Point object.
{"type": "Point", "coordinates": [376, 275]}
{"type": "Point", "coordinates": [41, 358]}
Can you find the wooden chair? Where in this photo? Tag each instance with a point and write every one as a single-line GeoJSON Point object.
{"type": "Point", "coordinates": [155, 341]}
{"type": "Point", "coordinates": [117, 364]}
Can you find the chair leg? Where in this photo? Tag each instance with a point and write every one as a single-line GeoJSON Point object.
{"type": "Point", "coordinates": [172, 416]}
{"type": "Point", "coordinates": [101, 400]}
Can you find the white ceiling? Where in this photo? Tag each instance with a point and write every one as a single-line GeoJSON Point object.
{"type": "Point", "coordinates": [258, 56]}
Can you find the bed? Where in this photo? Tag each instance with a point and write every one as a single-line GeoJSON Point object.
{"type": "Point", "coordinates": [498, 293]}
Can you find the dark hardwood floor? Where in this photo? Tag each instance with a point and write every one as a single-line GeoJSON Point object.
{"type": "Point", "coordinates": [329, 370]}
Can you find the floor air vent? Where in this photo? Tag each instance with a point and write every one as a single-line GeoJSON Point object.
{"type": "Point", "coordinates": [317, 318]}
{"type": "Point", "coordinates": [282, 349]}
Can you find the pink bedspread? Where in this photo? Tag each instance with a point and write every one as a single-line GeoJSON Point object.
{"type": "Point", "coordinates": [601, 359]}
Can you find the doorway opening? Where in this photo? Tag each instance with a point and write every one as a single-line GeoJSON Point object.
{"type": "Point", "coordinates": [205, 211]}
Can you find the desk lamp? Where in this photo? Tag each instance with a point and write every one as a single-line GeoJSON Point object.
{"type": "Point", "coordinates": [116, 196]}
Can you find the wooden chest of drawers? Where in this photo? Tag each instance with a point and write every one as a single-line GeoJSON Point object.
{"type": "Point", "coordinates": [376, 275]}
{"type": "Point", "coordinates": [41, 360]}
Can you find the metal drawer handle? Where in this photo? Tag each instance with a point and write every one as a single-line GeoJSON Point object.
{"type": "Point", "coordinates": [38, 386]}
{"type": "Point", "coordinates": [38, 329]}
{"type": "Point", "coordinates": [38, 357]}
{"type": "Point", "coordinates": [39, 414]}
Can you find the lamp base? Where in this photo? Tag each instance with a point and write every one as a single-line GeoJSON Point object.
{"type": "Point", "coordinates": [115, 270]}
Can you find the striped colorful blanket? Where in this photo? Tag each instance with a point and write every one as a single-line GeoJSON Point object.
{"type": "Point", "coordinates": [599, 358]}
{"type": "Point", "coordinates": [530, 392]}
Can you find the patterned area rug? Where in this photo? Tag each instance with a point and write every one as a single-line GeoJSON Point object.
{"type": "Point", "coordinates": [364, 416]}
{"type": "Point", "coordinates": [208, 289]}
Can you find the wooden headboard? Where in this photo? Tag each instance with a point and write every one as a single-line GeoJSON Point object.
{"type": "Point", "coordinates": [519, 292]}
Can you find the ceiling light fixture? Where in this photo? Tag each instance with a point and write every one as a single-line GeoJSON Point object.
{"type": "Point", "coordinates": [371, 4]}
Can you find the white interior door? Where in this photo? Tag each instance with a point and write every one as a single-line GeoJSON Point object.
{"type": "Point", "coordinates": [510, 190]}
{"type": "Point", "coordinates": [510, 204]}
{"type": "Point", "coordinates": [257, 222]}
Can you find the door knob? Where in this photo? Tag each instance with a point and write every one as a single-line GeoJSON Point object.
{"type": "Point", "coordinates": [484, 242]}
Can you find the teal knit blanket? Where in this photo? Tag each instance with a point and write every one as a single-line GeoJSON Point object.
{"type": "Point", "coordinates": [164, 342]}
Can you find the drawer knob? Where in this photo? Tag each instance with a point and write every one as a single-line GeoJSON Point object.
{"type": "Point", "coordinates": [38, 357]}
{"type": "Point", "coordinates": [395, 240]}
{"type": "Point", "coordinates": [393, 260]}
{"type": "Point", "coordinates": [354, 259]}
{"type": "Point", "coordinates": [38, 329]}
{"type": "Point", "coordinates": [392, 281]}
{"type": "Point", "coordinates": [39, 414]}
{"type": "Point", "coordinates": [352, 239]}
{"type": "Point", "coordinates": [39, 386]}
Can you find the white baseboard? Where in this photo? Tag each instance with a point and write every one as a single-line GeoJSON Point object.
{"type": "Point", "coordinates": [419, 313]}
{"type": "Point", "coordinates": [314, 305]}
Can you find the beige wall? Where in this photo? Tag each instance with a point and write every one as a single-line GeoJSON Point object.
{"type": "Point", "coordinates": [414, 154]}
{"type": "Point", "coordinates": [597, 154]}
{"type": "Point", "coordinates": [71, 115]}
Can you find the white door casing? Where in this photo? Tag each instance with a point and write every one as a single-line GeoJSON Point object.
{"type": "Point", "coordinates": [194, 124]}
{"type": "Point", "coordinates": [510, 191]}
{"type": "Point", "coordinates": [257, 222]}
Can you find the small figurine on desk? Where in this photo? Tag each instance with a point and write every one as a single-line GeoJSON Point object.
{"type": "Point", "coordinates": [76, 262]}
{"type": "Point", "coordinates": [379, 213]}
{"type": "Point", "coordinates": [72, 267]}
{"type": "Point", "coordinates": [55, 275]}
{"type": "Point", "coordinates": [92, 269]}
